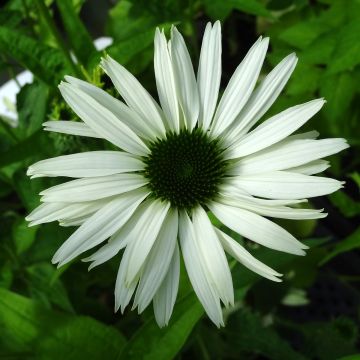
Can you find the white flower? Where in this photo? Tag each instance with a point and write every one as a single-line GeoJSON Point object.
{"type": "Point", "coordinates": [176, 163]}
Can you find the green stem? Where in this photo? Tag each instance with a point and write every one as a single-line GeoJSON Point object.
{"type": "Point", "coordinates": [45, 14]}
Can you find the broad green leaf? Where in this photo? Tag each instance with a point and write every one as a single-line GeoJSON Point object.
{"type": "Point", "coordinates": [31, 106]}
{"type": "Point", "coordinates": [151, 342]}
{"type": "Point", "coordinates": [45, 62]}
{"type": "Point", "coordinates": [338, 90]}
{"type": "Point", "coordinates": [350, 357]}
{"type": "Point", "coordinates": [45, 334]}
{"type": "Point", "coordinates": [347, 52]}
{"type": "Point", "coordinates": [43, 285]}
{"type": "Point", "coordinates": [125, 20]}
{"type": "Point", "coordinates": [350, 243]}
{"type": "Point", "coordinates": [36, 144]}
{"type": "Point", "coordinates": [329, 340]}
{"type": "Point", "coordinates": [247, 333]}
{"type": "Point", "coordinates": [219, 9]}
{"type": "Point", "coordinates": [23, 236]}
{"type": "Point", "coordinates": [347, 206]}
{"type": "Point", "coordinates": [10, 18]}
{"type": "Point", "coordinates": [77, 34]}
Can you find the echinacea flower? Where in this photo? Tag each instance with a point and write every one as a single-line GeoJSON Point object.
{"type": "Point", "coordinates": [176, 163]}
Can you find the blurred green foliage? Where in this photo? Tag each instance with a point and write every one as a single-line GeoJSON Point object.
{"type": "Point", "coordinates": [49, 313]}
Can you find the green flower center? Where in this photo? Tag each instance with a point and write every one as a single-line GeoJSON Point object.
{"type": "Point", "coordinates": [186, 168]}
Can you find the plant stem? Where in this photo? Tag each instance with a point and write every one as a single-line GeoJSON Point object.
{"type": "Point", "coordinates": [45, 14]}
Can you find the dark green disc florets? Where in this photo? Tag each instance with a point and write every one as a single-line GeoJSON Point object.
{"type": "Point", "coordinates": [186, 168]}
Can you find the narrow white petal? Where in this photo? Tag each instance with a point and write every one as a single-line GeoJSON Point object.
{"type": "Point", "coordinates": [134, 94]}
{"type": "Point", "coordinates": [244, 257]}
{"type": "Point", "coordinates": [86, 164]}
{"type": "Point", "coordinates": [102, 120]}
{"type": "Point", "coordinates": [165, 82]}
{"type": "Point", "coordinates": [257, 228]}
{"type": "Point", "coordinates": [165, 297]}
{"type": "Point", "coordinates": [240, 87]}
{"type": "Point", "coordinates": [311, 168]}
{"type": "Point", "coordinates": [288, 155]}
{"type": "Point", "coordinates": [123, 291]}
{"type": "Point", "coordinates": [209, 73]}
{"type": "Point", "coordinates": [48, 212]}
{"type": "Point", "coordinates": [282, 212]}
{"type": "Point", "coordinates": [198, 275]}
{"type": "Point", "coordinates": [263, 97]}
{"type": "Point", "coordinates": [185, 79]}
{"type": "Point", "coordinates": [128, 116]}
{"type": "Point", "coordinates": [276, 128]}
{"type": "Point", "coordinates": [75, 221]}
{"type": "Point", "coordinates": [213, 256]}
{"type": "Point", "coordinates": [71, 128]}
{"type": "Point", "coordinates": [99, 227]}
{"type": "Point", "coordinates": [87, 189]}
{"type": "Point", "coordinates": [158, 261]}
{"type": "Point", "coordinates": [143, 238]}
{"type": "Point", "coordinates": [232, 191]}
{"type": "Point", "coordinates": [286, 185]}
{"type": "Point", "coordinates": [121, 237]}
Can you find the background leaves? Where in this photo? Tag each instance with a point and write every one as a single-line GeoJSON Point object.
{"type": "Point", "coordinates": [49, 313]}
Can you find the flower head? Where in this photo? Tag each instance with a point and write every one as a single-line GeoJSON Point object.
{"type": "Point", "coordinates": [176, 163]}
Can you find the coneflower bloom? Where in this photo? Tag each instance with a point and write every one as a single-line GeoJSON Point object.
{"type": "Point", "coordinates": [176, 162]}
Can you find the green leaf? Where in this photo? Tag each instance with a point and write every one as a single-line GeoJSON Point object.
{"type": "Point", "coordinates": [151, 342]}
{"type": "Point", "coordinates": [347, 52]}
{"type": "Point", "coordinates": [31, 103]}
{"type": "Point", "coordinates": [29, 328]}
{"type": "Point", "coordinates": [350, 243]}
{"type": "Point", "coordinates": [247, 333]}
{"type": "Point", "coordinates": [78, 36]}
{"type": "Point", "coordinates": [347, 206]}
{"type": "Point", "coordinates": [43, 284]}
{"type": "Point", "coordinates": [36, 144]}
{"type": "Point", "coordinates": [23, 236]}
{"type": "Point", "coordinates": [329, 340]}
{"type": "Point", "coordinates": [45, 62]}
{"type": "Point", "coordinates": [10, 18]}
{"type": "Point", "coordinates": [338, 97]}
{"type": "Point", "coordinates": [219, 9]}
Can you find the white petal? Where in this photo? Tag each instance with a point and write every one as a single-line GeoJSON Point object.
{"type": "Point", "coordinates": [213, 256]}
{"type": "Point", "coordinates": [60, 211]}
{"type": "Point", "coordinates": [290, 154]}
{"type": "Point", "coordinates": [185, 79]}
{"type": "Point", "coordinates": [232, 191]}
{"type": "Point", "coordinates": [209, 73]}
{"type": "Point", "coordinates": [71, 128]}
{"type": "Point", "coordinates": [158, 261]}
{"type": "Point", "coordinates": [102, 120]}
{"type": "Point", "coordinates": [240, 87]}
{"type": "Point", "coordinates": [165, 82]}
{"type": "Point", "coordinates": [128, 116]}
{"type": "Point", "coordinates": [198, 274]}
{"type": "Point", "coordinates": [88, 189]}
{"type": "Point", "coordinates": [143, 237]}
{"type": "Point", "coordinates": [99, 227]}
{"type": "Point", "coordinates": [86, 164]}
{"type": "Point", "coordinates": [244, 257]}
{"type": "Point", "coordinates": [257, 228]}
{"type": "Point", "coordinates": [311, 168]}
{"type": "Point", "coordinates": [165, 297]}
{"type": "Point", "coordinates": [263, 97]}
{"type": "Point", "coordinates": [276, 128]}
{"type": "Point", "coordinates": [134, 94]}
{"type": "Point", "coordinates": [121, 237]}
{"type": "Point", "coordinates": [123, 290]}
{"type": "Point", "coordinates": [282, 212]}
{"type": "Point", "coordinates": [286, 185]}
{"type": "Point", "coordinates": [75, 221]}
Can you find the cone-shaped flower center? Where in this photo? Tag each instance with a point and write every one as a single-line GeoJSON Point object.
{"type": "Point", "coordinates": [186, 168]}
